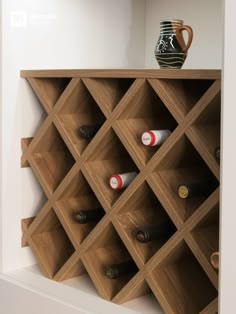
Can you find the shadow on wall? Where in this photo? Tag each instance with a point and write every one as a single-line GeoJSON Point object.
{"type": "Point", "coordinates": [135, 48]}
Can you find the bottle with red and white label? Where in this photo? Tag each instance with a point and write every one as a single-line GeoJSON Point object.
{"type": "Point", "coordinates": [155, 137]}
{"type": "Point", "coordinates": [120, 181]}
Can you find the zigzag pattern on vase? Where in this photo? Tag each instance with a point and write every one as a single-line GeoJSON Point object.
{"type": "Point", "coordinates": [174, 60]}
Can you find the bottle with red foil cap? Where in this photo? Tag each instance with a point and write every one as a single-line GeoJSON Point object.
{"type": "Point", "coordinates": [155, 137]}
{"type": "Point", "coordinates": [120, 181]}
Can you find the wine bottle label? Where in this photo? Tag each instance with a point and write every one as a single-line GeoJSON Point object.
{"type": "Point", "coordinates": [119, 181]}
{"type": "Point", "coordinates": [183, 191]}
{"type": "Point", "coordinates": [155, 137]}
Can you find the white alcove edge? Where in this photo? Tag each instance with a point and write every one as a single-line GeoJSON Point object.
{"type": "Point", "coordinates": [80, 34]}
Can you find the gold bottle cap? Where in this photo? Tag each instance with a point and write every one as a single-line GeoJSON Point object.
{"type": "Point", "coordinates": [109, 273]}
{"type": "Point", "coordinates": [183, 191]}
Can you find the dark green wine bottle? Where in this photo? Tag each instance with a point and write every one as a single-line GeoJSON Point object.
{"type": "Point", "coordinates": [115, 271]}
{"type": "Point", "coordinates": [196, 189]}
{"type": "Point", "coordinates": [146, 234]}
{"type": "Point", "coordinates": [88, 131]}
{"type": "Point", "coordinates": [85, 216]}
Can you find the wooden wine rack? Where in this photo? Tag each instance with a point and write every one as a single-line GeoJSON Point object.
{"type": "Point", "coordinates": [74, 174]}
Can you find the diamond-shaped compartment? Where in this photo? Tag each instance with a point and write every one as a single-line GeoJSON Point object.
{"type": "Point", "coordinates": [109, 157]}
{"type": "Point", "coordinates": [79, 109]}
{"type": "Point", "coordinates": [138, 291]}
{"type": "Point", "coordinates": [106, 250]}
{"type": "Point", "coordinates": [207, 126]}
{"type": "Point", "coordinates": [108, 91]}
{"type": "Point", "coordinates": [206, 233]}
{"type": "Point", "coordinates": [143, 209]}
{"type": "Point", "coordinates": [182, 282]}
{"type": "Point", "coordinates": [181, 94]}
{"type": "Point", "coordinates": [182, 165]}
{"type": "Point", "coordinates": [51, 245]}
{"type": "Point", "coordinates": [78, 195]}
{"type": "Point", "coordinates": [144, 111]}
{"type": "Point", "coordinates": [52, 158]}
{"type": "Point", "coordinates": [48, 90]}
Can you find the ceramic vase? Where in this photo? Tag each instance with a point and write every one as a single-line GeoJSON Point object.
{"type": "Point", "coordinates": [171, 49]}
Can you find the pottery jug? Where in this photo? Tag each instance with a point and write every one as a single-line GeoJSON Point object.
{"type": "Point", "coordinates": [171, 49]}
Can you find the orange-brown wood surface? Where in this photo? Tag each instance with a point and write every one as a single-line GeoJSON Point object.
{"type": "Point", "coordinates": [74, 174]}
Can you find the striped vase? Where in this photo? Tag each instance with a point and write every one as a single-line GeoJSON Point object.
{"type": "Point", "coordinates": [171, 49]}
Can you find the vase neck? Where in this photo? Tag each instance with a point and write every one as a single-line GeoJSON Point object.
{"type": "Point", "coordinates": [169, 26]}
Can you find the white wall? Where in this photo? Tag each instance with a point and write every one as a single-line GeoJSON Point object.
{"type": "Point", "coordinates": [97, 34]}
{"type": "Point", "coordinates": [228, 171]}
{"type": "Point", "coordinates": [206, 19]}
{"type": "Point", "coordinates": [30, 302]}
{"type": "Point", "coordinates": [0, 137]}
{"type": "Point", "coordinates": [52, 34]}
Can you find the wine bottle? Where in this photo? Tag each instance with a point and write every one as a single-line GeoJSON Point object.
{"type": "Point", "coordinates": [88, 131]}
{"type": "Point", "coordinates": [217, 153]}
{"type": "Point", "coordinates": [196, 189]}
{"type": "Point", "coordinates": [115, 271]}
{"type": "Point", "coordinates": [119, 181]}
{"type": "Point", "coordinates": [155, 137]}
{"type": "Point", "coordinates": [146, 234]}
{"type": "Point", "coordinates": [85, 216]}
{"type": "Point", "coordinates": [215, 259]}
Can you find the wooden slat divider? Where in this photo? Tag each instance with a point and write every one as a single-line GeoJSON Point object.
{"type": "Point", "coordinates": [127, 102]}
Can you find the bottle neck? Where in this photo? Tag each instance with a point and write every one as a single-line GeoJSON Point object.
{"type": "Point", "coordinates": [117, 270]}
{"type": "Point", "coordinates": [89, 131]}
{"type": "Point", "coordinates": [146, 234]}
{"type": "Point", "coordinates": [197, 189]}
{"type": "Point", "coordinates": [85, 216]}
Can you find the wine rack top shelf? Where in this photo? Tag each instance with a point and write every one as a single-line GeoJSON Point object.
{"type": "Point", "coordinates": [126, 73]}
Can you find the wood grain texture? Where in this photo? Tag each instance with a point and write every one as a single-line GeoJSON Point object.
{"type": "Point", "coordinates": [180, 271]}
{"type": "Point", "coordinates": [213, 276]}
{"type": "Point", "coordinates": [25, 223]}
{"type": "Point", "coordinates": [24, 145]}
{"type": "Point", "coordinates": [211, 308]}
{"type": "Point", "coordinates": [72, 268]}
{"type": "Point", "coordinates": [135, 288]}
{"type": "Point", "coordinates": [125, 73]}
{"type": "Point", "coordinates": [74, 174]}
{"type": "Point", "coordinates": [142, 209]}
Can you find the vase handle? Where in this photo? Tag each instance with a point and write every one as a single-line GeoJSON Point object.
{"type": "Point", "coordinates": [180, 39]}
